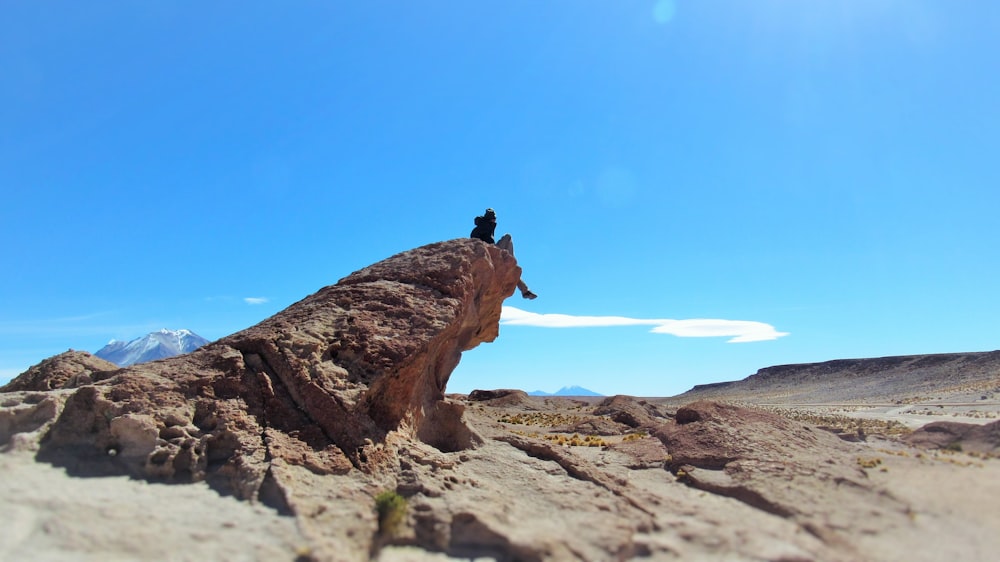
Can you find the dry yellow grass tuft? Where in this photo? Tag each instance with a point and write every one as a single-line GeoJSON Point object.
{"type": "Point", "coordinates": [844, 424]}
{"type": "Point", "coordinates": [540, 419]}
{"type": "Point", "coordinates": [634, 436]}
{"type": "Point", "coordinates": [576, 440]}
{"type": "Point", "coordinates": [871, 462]}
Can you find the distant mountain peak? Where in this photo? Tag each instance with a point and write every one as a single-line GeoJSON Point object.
{"type": "Point", "coordinates": [154, 345]}
{"type": "Point", "coordinates": [566, 391]}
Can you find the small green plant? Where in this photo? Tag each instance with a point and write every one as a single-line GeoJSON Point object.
{"type": "Point", "coordinates": [954, 447]}
{"type": "Point", "coordinates": [391, 509]}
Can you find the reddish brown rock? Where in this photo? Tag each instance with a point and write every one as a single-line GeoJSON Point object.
{"type": "Point", "coordinates": [628, 410]}
{"type": "Point", "coordinates": [316, 386]}
{"type": "Point", "coordinates": [66, 370]}
{"type": "Point", "coordinates": [967, 437]}
{"type": "Point", "coordinates": [502, 397]}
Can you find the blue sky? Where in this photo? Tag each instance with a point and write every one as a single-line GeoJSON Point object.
{"type": "Point", "coordinates": [822, 174]}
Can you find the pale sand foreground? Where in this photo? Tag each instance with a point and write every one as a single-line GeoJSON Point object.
{"type": "Point", "coordinates": [953, 499]}
{"type": "Point", "coordinates": [50, 516]}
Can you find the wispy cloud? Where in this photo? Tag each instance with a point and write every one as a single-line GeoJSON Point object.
{"type": "Point", "coordinates": [739, 331]}
{"type": "Point", "coordinates": [255, 300]}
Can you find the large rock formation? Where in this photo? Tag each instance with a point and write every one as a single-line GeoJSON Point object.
{"type": "Point", "coordinates": [318, 387]}
{"type": "Point", "coordinates": [315, 385]}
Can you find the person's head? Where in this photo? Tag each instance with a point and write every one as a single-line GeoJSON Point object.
{"type": "Point", "coordinates": [490, 214]}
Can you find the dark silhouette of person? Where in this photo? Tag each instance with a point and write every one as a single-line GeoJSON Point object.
{"type": "Point", "coordinates": [486, 225]}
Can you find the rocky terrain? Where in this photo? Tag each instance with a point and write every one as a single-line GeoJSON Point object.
{"type": "Point", "coordinates": [883, 395]}
{"type": "Point", "coordinates": [330, 422]}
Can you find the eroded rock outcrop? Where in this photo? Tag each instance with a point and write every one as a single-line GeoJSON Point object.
{"type": "Point", "coordinates": [66, 370]}
{"type": "Point", "coordinates": [956, 436]}
{"type": "Point", "coordinates": [629, 411]}
{"type": "Point", "coordinates": [318, 386]}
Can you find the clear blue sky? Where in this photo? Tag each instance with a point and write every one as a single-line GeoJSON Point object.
{"type": "Point", "coordinates": [827, 169]}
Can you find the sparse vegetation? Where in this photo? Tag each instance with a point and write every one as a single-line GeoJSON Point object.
{"type": "Point", "coordinates": [391, 508]}
{"type": "Point", "coordinates": [844, 424]}
{"type": "Point", "coordinates": [872, 462]}
{"type": "Point", "coordinates": [540, 419]}
{"type": "Point", "coordinates": [576, 441]}
{"type": "Point", "coordinates": [635, 436]}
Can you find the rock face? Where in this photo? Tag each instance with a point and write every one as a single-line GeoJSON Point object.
{"type": "Point", "coordinates": [982, 439]}
{"type": "Point", "coordinates": [627, 410]}
{"type": "Point", "coordinates": [317, 388]}
{"type": "Point", "coordinates": [66, 370]}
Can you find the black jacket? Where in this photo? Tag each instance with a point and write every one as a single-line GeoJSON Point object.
{"type": "Point", "coordinates": [484, 229]}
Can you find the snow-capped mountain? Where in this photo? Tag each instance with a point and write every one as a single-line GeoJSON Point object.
{"type": "Point", "coordinates": [566, 391]}
{"type": "Point", "coordinates": [152, 346]}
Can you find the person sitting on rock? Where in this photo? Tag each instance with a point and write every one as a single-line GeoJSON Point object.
{"type": "Point", "coordinates": [485, 227]}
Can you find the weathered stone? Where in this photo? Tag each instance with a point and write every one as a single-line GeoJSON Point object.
{"type": "Point", "coordinates": [502, 397]}
{"type": "Point", "coordinates": [66, 370]}
{"type": "Point", "coordinates": [957, 436]}
{"type": "Point", "coordinates": [314, 385]}
{"type": "Point", "coordinates": [627, 410]}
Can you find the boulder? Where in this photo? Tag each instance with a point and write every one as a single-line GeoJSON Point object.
{"type": "Point", "coordinates": [318, 385]}
{"type": "Point", "coordinates": [627, 410]}
{"type": "Point", "coordinates": [66, 370]}
{"type": "Point", "coordinates": [957, 436]}
{"type": "Point", "coordinates": [502, 397]}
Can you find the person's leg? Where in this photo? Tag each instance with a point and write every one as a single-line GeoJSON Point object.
{"type": "Point", "coordinates": [506, 243]}
{"type": "Point", "coordinates": [525, 292]}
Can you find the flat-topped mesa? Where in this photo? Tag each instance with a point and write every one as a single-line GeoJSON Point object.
{"type": "Point", "coordinates": [318, 385]}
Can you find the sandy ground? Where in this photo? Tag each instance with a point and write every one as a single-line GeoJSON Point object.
{"type": "Point", "coordinates": [49, 516]}
{"type": "Point", "coordinates": [912, 416]}
{"type": "Point", "coordinates": [953, 497]}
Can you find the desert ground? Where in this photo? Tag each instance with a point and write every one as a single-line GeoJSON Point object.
{"type": "Point", "coordinates": [948, 496]}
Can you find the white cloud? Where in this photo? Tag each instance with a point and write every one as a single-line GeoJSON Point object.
{"type": "Point", "coordinates": [255, 300]}
{"type": "Point", "coordinates": [739, 331]}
